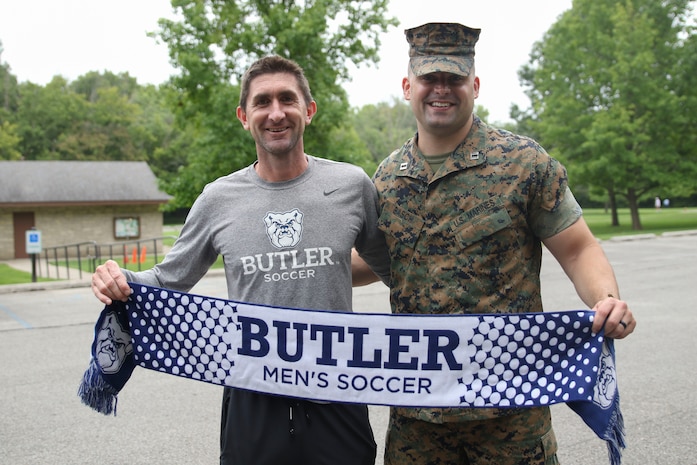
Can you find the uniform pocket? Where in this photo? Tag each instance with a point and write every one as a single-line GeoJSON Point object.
{"type": "Point", "coordinates": [400, 224]}
{"type": "Point", "coordinates": [484, 224]}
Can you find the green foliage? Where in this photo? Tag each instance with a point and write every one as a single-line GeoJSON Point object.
{"type": "Point", "coordinates": [9, 141]}
{"type": "Point", "coordinates": [96, 117]}
{"type": "Point", "coordinates": [350, 148]}
{"type": "Point", "coordinates": [44, 115]}
{"type": "Point", "coordinates": [384, 127]}
{"type": "Point", "coordinates": [9, 95]}
{"type": "Point", "coordinates": [153, 129]}
{"type": "Point", "coordinates": [686, 113]}
{"type": "Point", "coordinates": [93, 82]}
{"type": "Point", "coordinates": [103, 130]}
{"type": "Point", "coordinates": [99, 116]}
{"type": "Point", "coordinates": [608, 86]}
{"type": "Point", "coordinates": [483, 114]}
{"type": "Point", "coordinates": [211, 147]}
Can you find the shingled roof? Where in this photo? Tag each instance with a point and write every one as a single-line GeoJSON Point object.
{"type": "Point", "coordinates": [78, 183]}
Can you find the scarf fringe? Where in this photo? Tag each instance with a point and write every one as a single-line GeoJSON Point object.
{"type": "Point", "coordinates": [96, 393]}
{"type": "Point", "coordinates": [615, 436]}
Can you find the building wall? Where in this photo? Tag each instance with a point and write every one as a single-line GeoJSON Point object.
{"type": "Point", "coordinates": [71, 225]}
{"type": "Point", "coordinates": [7, 244]}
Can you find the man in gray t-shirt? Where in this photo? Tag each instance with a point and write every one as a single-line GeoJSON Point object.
{"type": "Point", "coordinates": [285, 227]}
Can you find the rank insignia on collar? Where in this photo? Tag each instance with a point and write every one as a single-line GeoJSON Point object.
{"type": "Point", "coordinates": [475, 155]}
{"type": "Point", "coordinates": [403, 166]}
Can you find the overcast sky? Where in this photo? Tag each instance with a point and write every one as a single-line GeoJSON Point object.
{"type": "Point", "coordinates": [44, 38]}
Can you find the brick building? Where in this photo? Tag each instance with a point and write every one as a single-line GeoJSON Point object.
{"type": "Point", "coordinates": [77, 201]}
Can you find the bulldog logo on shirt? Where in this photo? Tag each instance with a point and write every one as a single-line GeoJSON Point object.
{"type": "Point", "coordinates": [284, 229]}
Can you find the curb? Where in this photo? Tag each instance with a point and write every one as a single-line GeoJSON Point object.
{"type": "Point", "coordinates": [43, 286]}
{"type": "Point", "coordinates": [69, 284]}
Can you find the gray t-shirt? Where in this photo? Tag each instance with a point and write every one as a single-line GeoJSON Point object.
{"type": "Point", "coordinates": [284, 244]}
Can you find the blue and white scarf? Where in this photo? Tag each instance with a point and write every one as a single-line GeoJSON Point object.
{"type": "Point", "coordinates": [492, 360]}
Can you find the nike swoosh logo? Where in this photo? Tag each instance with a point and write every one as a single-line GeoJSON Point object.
{"type": "Point", "coordinates": [329, 192]}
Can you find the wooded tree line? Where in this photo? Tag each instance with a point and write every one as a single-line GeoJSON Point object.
{"type": "Point", "coordinates": [612, 86]}
{"type": "Point", "coordinates": [612, 89]}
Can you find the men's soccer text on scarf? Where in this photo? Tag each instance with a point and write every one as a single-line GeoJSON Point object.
{"type": "Point", "coordinates": [492, 360]}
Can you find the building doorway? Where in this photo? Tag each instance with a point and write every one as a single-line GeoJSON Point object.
{"type": "Point", "coordinates": [21, 222]}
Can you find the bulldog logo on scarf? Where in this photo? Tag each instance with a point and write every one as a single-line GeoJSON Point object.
{"type": "Point", "coordinates": [606, 387]}
{"type": "Point", "coordinates": [113, 344]}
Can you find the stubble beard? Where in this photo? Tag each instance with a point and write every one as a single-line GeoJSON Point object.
{"type": "Point", "coordinates": [280, 147]}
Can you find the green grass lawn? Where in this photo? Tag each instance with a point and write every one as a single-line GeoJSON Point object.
{"type": "Point", "coordinates": [653, 221]}
{"type": "Point", "coordinates": [9, 275]}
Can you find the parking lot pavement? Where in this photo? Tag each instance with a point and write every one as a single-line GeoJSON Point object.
{"type": "Point", "coordinates": [45, 338]}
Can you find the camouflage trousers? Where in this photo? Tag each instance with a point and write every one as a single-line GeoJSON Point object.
{"type": "Point", "coordinates": [523, 438]}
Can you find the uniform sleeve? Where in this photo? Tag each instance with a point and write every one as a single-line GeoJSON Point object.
{"type": "Point", "coordinates": [553, 208]}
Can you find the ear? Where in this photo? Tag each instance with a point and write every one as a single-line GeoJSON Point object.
{"type": "Point", "coordinates": [311, 111]}
{"type": "Point", "coordinates": [476, 86]}
{"type": "Point", "coordinates": [242, 116]}
{"type": "Point", "coordinates": [406, 88]}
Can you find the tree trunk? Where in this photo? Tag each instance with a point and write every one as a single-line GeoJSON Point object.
{"type": "Point", "coordinates": [613, 206]}
{"type": "Point", "coordinates": [634, 209]}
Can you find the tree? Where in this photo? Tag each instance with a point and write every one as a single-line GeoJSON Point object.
{"type": "Point", "coordinates": [686, 87]}
{"type": "Point", "coordinates": [9, 95]}
{"type": "Point", "coordinates": [153, 129]}
{"type": "Point", "coordinates": [104, 131]}
{"type": "Point", "coordinates": [384, 127]}
{"type": "Point", "coordinates": [89, 85]}
{"type": "Point", "coordinates": [216, 40]}
{"type": "Point", "coordinates": [44, 114]}
{"type": "Point", "coordinates": [96, 117]}
{"type": "Point", "coordinates": [605, 99]}
{"type": "Point", "coordinates": [9, 138]}
{"type": "Point", "coordinates": [9, 141]}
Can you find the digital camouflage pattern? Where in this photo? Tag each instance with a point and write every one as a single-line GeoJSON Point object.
{"type": "Point", "coordinates": [442, 47]}
{"type": "Point", "coordinates": [524, 438]}
{"type": "Point", "coordinates": [466, 239]}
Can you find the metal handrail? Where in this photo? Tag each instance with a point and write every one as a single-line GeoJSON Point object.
{"type": "Point", "coordinates": [66, 256]}
{"type": "Point", "coordinates": [93, 253]}
{"type": "Point", "coordinates": [122, 245]}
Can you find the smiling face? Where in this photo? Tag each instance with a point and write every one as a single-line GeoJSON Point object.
{"type": "Point", "coordinates": [276, 114]}
{"type": "Point", "coordinates": [442, 102]}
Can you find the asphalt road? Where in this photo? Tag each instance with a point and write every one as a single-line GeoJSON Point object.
{"type": "Point", "coordinates": [45, 338]}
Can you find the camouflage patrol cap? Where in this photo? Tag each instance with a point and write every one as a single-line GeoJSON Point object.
{"type": "Point", "coordinates": [441, 47]}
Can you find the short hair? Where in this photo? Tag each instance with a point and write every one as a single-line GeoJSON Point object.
{"type": "Point", "coordinates": [274, 64]}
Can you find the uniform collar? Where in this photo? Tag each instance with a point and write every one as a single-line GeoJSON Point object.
{"type": "Point", "coordinates": [471, 152]}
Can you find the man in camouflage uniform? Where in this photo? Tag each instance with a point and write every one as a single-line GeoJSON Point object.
{"type": "Point", "coordinates": [466, 208]}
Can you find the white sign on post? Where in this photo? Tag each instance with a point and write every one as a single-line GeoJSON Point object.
{"type": "Point", "coordinates": [33, 241]}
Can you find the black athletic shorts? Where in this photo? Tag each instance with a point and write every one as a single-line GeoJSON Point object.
{"type": "Point", "coordinates": [260, 429]}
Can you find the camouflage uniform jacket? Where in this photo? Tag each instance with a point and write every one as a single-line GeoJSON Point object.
{"type": "Point", "coordinates": [467, 239]}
